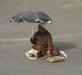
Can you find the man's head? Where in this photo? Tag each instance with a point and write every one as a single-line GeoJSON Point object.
{"type": "Point", "coordinates": [41, 28]}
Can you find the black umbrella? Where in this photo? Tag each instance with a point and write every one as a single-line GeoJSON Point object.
{"type": "Point", "coordinates": [31, 16]}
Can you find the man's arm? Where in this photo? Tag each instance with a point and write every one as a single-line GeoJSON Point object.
{"type": "Point", "coordinates": [34, 39]}
{"type": "Point", "coordinates": [51, 49]}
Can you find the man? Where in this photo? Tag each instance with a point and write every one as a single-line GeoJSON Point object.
{"type": "Point", "coordinates": [42, 41]}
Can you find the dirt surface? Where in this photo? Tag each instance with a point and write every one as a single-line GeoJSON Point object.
{"type": "Point", "coordinates": [66, 30]}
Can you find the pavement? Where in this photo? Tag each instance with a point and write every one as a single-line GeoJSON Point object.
{"type": "Point", "coordinates": [66, 30]}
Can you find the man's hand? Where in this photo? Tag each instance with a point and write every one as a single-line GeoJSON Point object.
{"type": "Point", "coordinates": [49, 53]}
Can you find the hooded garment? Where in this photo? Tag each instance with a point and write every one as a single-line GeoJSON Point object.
{"type": "Point", "coordinates": [42, 41]}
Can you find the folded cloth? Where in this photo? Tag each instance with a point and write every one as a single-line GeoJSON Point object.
{"type": "Point", "coordinates": [32, 54]}
{"type": "Point", "coordinates": [53, 59]}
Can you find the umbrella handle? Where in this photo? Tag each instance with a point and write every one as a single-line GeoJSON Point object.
{"type": "Point", "coordinates": [32, 30]}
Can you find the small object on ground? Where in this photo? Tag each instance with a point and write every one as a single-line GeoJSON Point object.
{"type": "Point", "coordinates": [63, 53]}
{"type": "Point", "coordinates": [62, 57]}
{"type": "Point", "coordinates": [32, 54]}
{"type": "Point", "coordinates": [56, 59]}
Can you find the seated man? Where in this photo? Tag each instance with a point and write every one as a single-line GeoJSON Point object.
{"type": "Point", "coordinates": [42, 41]}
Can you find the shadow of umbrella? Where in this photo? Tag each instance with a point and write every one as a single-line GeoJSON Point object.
{"type": "Point", "coordinates": [64, 45]}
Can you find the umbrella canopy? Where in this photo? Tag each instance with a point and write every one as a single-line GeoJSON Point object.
{"type": "Point", "coordinates": [31, 16]}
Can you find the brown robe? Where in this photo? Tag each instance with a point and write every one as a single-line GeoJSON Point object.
{"type": "Point", "coordinates": [42, 41]}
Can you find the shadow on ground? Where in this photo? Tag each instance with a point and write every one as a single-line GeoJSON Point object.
{"type": "Point", "coordinates": [64, 45]}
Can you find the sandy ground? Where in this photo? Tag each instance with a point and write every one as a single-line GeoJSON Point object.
{"type": "Point", "coordinates": [66, 31]}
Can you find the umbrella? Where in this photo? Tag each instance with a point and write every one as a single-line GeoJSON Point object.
{"type": "Point", "coordinates": [31, 16]}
